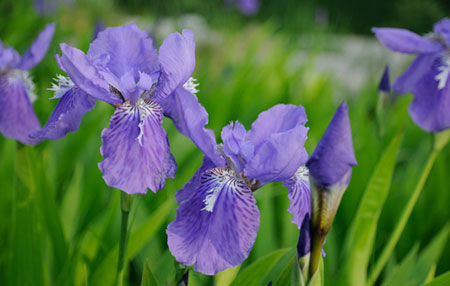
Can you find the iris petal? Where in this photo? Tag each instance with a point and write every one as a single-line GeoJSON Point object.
{"type": "Point", "coordinates": [136, 149]}
{"type": "Point", "coordinates": [404, 41]}
{"type": "Point", "coordinates": [38, 49]}
{"type": "Point", "coordinates": [216, 228]}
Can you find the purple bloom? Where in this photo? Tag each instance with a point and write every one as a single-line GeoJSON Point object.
{"type": "Point", "coordinates": [246, 7]}
{"type": "Point", "coordinates": [123, 68]}
{"type": "Point", "coordinates": [427, 78]}
{"type": "Point", "coordinates": [332, 161]}
{"type": "Point", "coordinates": [385, 84]}
{"type": "Point", "coordinates": [217, 220]}
{"type": "Point", "coordinates": [17, 118]}
{"type": "Point", "coordinates": [330, 170]}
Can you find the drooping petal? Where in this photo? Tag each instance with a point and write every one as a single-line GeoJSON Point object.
{"type": "Point", "coordinates": [85, 75]}
{"type": "Point", "coordinates": [299, 196]}
{"type": "Point", "coordinates": [190, 118]}
{"type": "Point", "coordinates": [124, 49]}
{"type": "Point", "coordinates": [38, 49]}
{"type": "Point", "coordinates": [404, 41]}
{"type": "Point", "coordinates": [443, 28]}
{"type": "Point", "coordinates": [66, 117]}
{"type": "Point", "coordinates": [194, 183]}
{"type": "Point", "coordinates": [216, 228]}
{"type": "Point", "coordinates": [430, 109]}
{"type": "Point", "coordinates": [235, 146]}
{"type": "Point", "coordinates": [418, 68]}
{"type": "Point", "coordinates": [17, 118]}
{"type": "Point", "coordinates": [334, 157]}
{"type": "Point", "coordinates": [278, 119]}
{"type": "Point", "coordinates": [136, 149]}
{"type": "Point", "coordinates": [177, 58]}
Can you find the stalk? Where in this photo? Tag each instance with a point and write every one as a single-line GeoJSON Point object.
{"type": "Point", "coordinates": [441, 140]}
{"type": "Point", "coordinates": [125, 206]}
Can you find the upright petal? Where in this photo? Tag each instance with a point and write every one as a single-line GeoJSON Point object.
{"type": "Point", "coordinates": [66, 117]}
{"type": "Point", "coordinates": [216, 228]}
{"type": "Point", "coordinates": [127, 48]}
{"type": "Point", "coordinates": [177, 58]}
{"type": "Point", "coordinates": [235, 146]}
{"type": "Point", "coordinates": [443, 28]}
{"type": "Point", "coordinates": [278, 135]}
{"type": "Point", "coordinates": [278, 158]}
{"type": "Point", "coordinates": [85, 75]}
{"type": "Point", "coordinates": [17, 118]}
{"type": "Point", "coordinates": [136, 149]}
{"type": "Point", "coordinates": [9, 57]}
{"type": "Point", "coordinates": [333, 158]}
{"type": "Point", "coordinates": [299, 196]}
{"type": "Point", "coordinates": [404, 41]}
{"type": "Point", "coordinates": [430, 109]}
{"type": "Point", "coordinates": [278, 119]}
{"type": "Point", "coordinates": [418, 68]}
{"type": "Point", "coordinates": [38, 49]}
{"type": "Point", "coordinates": [190, 118]}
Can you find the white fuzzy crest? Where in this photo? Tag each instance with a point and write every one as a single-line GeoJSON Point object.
{"type": "Point", "coordinates": [191, 85]}
{"type": "Point", "coordinates": [444, 73]}
{"type": "Point", "coordinates": [60, 86]}
{"type": "Point", "coordinates": [25, 78]}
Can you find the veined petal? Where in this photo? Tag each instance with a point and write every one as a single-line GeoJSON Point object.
{"type": "Point", "coordinates": [124, 49]}
{"type": "Point", "coordinates": [17, 118]}
{"type": "Point", "coordinates": [299, 196]}
{"type": "Point", "coordinates": [216, 228]}
{"type": "Point", "coordinates": [404, 41]}
{"type": "Point", "coordinates": [177, 59]}
{"type": "Point", "coordinates": [190, 188]}
{"type": "Point", "coordinates": [136, 149]}
{"type": "Point", "coordinates": [38, 49]}
{"type": "Point", "coordinates": [430, 109]}
{"type": "Point", "coordinates": [278, 157]}
{"type": "Point", "coordinates": [85, 75]}
{"type": "Point", "coordinates": [418, 68]}
{"type": "Point", "coordinates": [66, 117]}
{"type": "Point", "coordinates": [190, 118]}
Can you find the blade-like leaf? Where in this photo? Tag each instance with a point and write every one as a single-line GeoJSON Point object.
{"type": "Point", "coordinates": [137, 240]}
{"type": "Point", "coordinates": [227, 276]}
{"type": "Point", "coordinates": [442, 280]}
{"type": "Point", "coordinates": [414, 270]}
{"type": "Point", "coordinates": [257, 272]}
{"type": "Point", "coordinates": [359, 241]}
{"type": "Point", "coordinates": [147, 276]}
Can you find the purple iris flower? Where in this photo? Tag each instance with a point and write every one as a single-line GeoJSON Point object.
{"type": "Point", "coordinates": [427, 78]}
{"type": "Point", "coordinates": [217, 221]}
{"type": "Point", "coordinates": [385, 83]}
{"type": "Point", "coordinates": [330, 170]}
{"type": "Point", "coordinates": [123, 68]}
{"type": "Point", "coordinates": [17, 118]}
{"type": "Point", "coordinates": [246, 7]}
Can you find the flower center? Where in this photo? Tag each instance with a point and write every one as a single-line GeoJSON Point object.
{"type": "Point", "coordinates": [444, 71]}
{"type": "Point", "coordinates": [24, 78]}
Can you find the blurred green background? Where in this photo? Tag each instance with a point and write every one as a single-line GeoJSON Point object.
{"type": "Point", "coordinates": [59, 222]}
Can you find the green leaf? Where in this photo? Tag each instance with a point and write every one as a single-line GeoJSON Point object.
{"type": "Point", "coordinates": [257, 272]}
{"type": "Point", "coordinates": [361, 236]}
{"type": "Point", "coordinates": [147, 276]}
{"type": "Point", "coordinates": [227, 276]}
{"type": "Point", "coordinates": [318, 278]}
{"type": "Point", "coordinates": [414, 270]}
{"type": "Point", "coordinates": [137, 240]}
{"type": "Point", "coordinates": [442, 280]}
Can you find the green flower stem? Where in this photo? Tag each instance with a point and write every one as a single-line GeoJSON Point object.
{"type": "Point", "coordinates": [125, 206]}
{"type": "Point", "coordinates": [441, 140]}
